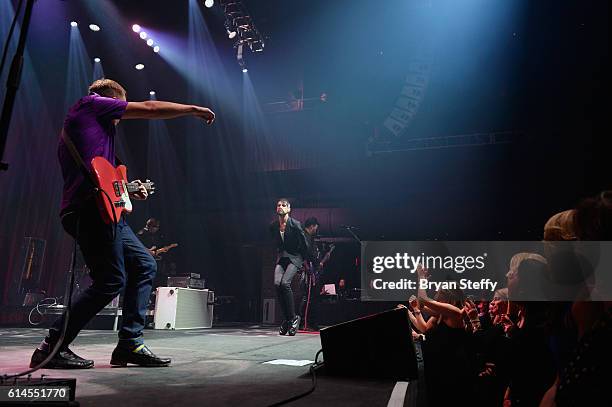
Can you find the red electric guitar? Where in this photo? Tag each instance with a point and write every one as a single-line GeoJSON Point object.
{"type": "Point", "coordinates": [114, 182]}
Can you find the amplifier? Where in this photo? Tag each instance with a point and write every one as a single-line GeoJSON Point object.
{"type": "Point", "coordinates": [183, 308]}
{"type": "Point", "coordinates": [186, 282]}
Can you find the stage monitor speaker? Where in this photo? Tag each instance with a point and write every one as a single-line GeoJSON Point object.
{"type": "Point", "coordinates": [376, 346]}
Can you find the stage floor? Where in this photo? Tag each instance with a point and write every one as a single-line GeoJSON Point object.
{"type": "Point", "coordinates": [210, 367]}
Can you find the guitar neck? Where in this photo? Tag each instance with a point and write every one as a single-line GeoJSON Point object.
{"type": "Point", "coordinates": [327, 256]}
{"type": "Point", "coordinates": [134, 187]}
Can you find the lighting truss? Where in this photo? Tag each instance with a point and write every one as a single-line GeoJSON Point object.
{"type": "Point", "coordinates": [239, 25]}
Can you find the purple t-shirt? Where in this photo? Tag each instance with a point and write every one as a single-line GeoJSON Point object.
{"type": "Point", "coordinates": [89, 124]}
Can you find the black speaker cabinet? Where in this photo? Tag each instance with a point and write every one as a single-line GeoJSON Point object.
{"type": "Point", "coordinates": [376, 346]}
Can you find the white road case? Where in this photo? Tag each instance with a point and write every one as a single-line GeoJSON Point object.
{"type": "Point", "coordinates": [183, 308]}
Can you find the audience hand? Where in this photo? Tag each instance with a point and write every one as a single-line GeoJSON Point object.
{"type": "Point", "coordinates": [507, 323]}
{"type": "Point", "coordinates": [414, 303]}
{"type": "Point", "coordinates": [422, 272]}
{"type": "Point", "coordinates": [470, 309]}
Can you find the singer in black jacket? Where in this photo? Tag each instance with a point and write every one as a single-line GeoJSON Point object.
{"type": "Point", "coordinates": [293, 248]}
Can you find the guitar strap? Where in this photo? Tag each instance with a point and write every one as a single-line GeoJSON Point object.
{"type": "Point", "coordinates": [78, 159]}
{"type": "Point", "coordinates": [87, 174]}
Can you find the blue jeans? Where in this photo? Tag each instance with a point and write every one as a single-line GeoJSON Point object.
{"type": "Point", "coordinates": [119, 264]}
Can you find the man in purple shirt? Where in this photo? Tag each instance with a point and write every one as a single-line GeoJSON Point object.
{"type": "Point", "coordinates": [117, 259]}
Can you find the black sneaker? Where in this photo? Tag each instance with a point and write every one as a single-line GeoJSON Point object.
{"type": "Point", "coordinates": [294, 325]}
{"type": "Point", "coordinates": [63, 359]}
{"type": "Point", "coordinates": [141, 356]}
{"type": "Point", "coordinates": [284, 328]}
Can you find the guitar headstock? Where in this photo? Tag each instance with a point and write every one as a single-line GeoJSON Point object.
{"type": "Point", "coordinates": [149, 186]}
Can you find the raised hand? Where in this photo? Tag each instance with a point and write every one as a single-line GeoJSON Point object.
{"type": "Point", "coordinates": [422, 272]}
{"type": "Point", "coordinates": [470, 309]}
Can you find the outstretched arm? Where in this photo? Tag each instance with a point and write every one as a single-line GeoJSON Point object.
{"type": "Point", "coordinates": [437, 307]}
{"type": "Point", "coordinates": [157, 109]}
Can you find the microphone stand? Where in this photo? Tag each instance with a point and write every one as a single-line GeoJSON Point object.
{"type": "Point", "coordinates": [12, 84]}
{"type": "Point", "coordinates": [350, 230]}
{"type": "Point", "coordinates": [356, 237]}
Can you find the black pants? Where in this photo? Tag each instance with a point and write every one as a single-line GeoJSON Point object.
{"type": "Point", "coordinates": [284, 272]}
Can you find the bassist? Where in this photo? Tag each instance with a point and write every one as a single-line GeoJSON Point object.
{"type": "Point", "coordinates": [310, 281]}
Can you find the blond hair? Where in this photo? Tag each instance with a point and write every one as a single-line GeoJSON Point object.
{"type": "Point", "coordinates": [561, 226]}
{"type": "Point", "coordinates": [518, 258]}
{"type": "Point", "coordinates": [108, 88]}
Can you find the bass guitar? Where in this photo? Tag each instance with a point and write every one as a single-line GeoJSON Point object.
{"type": "Point", "coordinates": [158, 252]}
{"type": "Point", "coordinates": [317, 269]}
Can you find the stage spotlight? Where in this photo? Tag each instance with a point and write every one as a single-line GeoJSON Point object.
{"type": "Point", "coordinates": [97, 60]}
{"type": "Point", "coordinates": [94, 27]}
{"type": "Point", "coordinates": [256, 46]}
{"type": "Point", "coordinates": [209, 3]}
{"type": "Point", "coordinates": [156, 48]}
{"type": "Point", "coordinates": [136, 28]}
{"type": "Point", "coordinates": [230, 28]}
{"type": "Point", "coordinates": [139, 67]}
{"type": "Point", "coordinates": [73, 24]}
{"type": "Point", "coordinates": [143, 35]}
{"type": "Point", "coordinates": [150, 42]}
{"type": "Point", "coordinates": [247, 33]}
{"type": "Point", "coordinates": [152, 93]}
{"type": "Point", "coordinates": [244, 70]}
